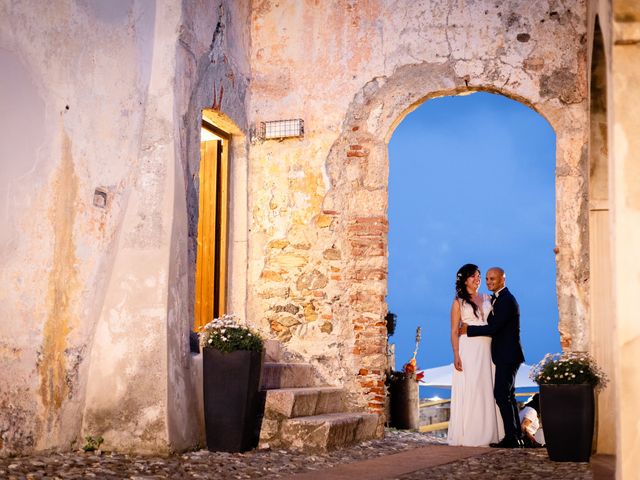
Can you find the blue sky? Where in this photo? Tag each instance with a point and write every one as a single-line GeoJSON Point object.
{"type": "Point", "coordinates": [471, 180]}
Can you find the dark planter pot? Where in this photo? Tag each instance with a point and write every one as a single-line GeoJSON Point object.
{"type": "Point", "coordinates": [404, 403]}
{"type": "Point", "coordinates": [231, 383]}
{"type": "Point", "coordinates": [568, 413]}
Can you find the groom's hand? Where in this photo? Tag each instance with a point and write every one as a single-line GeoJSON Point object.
{"type": "Point", "coordinates": [463, 329]}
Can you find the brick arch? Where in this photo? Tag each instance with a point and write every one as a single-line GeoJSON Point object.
{"type": "Point", "coordinates": [358, 170]}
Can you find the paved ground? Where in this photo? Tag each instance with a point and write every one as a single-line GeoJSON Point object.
{"type": "Point", "coordinates": [400, 455]}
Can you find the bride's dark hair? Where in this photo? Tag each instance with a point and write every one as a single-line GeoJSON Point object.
{"type": "Point", "coordinates": [466, 271]}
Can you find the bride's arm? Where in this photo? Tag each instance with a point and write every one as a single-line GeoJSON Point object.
{"type": "Point", "coordinates": [455, 337]}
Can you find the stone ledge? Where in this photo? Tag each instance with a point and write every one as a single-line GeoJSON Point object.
{"type": "Point", "coordinates": [303, 402]}
{"type": "Point", "coordinates": [329, 431]}
{"type": "Point", "coordinates": [288, 375]}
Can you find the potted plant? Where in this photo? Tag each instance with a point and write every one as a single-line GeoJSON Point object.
{"type": "Point", "coordinates": [403, 393]}
{"type": "Point", "coordinates": [232, 365]}
{"type": "Point", "coordinates": [567, 403]}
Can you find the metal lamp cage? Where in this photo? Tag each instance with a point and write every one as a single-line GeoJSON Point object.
{"type": "Point", "coordinates": [279, 129]}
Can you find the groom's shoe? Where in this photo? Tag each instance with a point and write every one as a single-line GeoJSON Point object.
{"type": "Point", "coordinates": [508, 443]}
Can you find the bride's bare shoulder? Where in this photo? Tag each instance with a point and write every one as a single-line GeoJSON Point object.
{"type": "Point", "coordinates": [455, 303]}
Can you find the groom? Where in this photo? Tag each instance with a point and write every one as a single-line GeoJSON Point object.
{"type": "Point", "coordinates": [503, 326]}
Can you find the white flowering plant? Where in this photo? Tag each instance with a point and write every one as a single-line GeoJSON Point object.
{"type": "Point", "coordinates": [568, 368]}
{"type": "Point", "coordinates": [227, 335]}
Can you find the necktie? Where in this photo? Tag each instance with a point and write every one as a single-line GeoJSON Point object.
{"type": "Point", "coordinates": [493, 299]}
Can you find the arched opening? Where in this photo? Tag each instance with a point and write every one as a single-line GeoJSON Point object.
{"type": "Point", "coordinates": [471, 180]}
{"type": "Point", "coordinates": [357, 168]}
{"type": "Point", "coordinates": [602, 335]}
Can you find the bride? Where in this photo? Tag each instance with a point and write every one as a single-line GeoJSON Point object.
{"type": "Point", "coordinates": [475, 419]}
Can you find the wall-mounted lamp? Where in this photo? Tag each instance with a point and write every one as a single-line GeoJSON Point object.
{"type": "Point", "coordinates": [279, 129]}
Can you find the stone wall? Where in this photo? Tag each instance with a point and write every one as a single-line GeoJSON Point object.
{"type": "Point", "coordinates": [620, 23]}
{"type": "Point", "coordinates": [601, 336]}
{"type": "Point", "coordinates": [318, 205]}
{"type": "Point", "coordinates": [98, 188]}
{"type": "Point", "coordinates": [101, 111]}
{"type": "Point", "coordinates": [58, 247]}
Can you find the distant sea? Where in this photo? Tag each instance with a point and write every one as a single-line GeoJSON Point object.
{"type": "Point", "coordinates": [430, 392]}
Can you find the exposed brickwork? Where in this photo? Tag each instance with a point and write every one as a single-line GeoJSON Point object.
{"type": "Point", "coordinates": [357, 151]}
{"type": "Point", "coordinates": [339, 279]}
{"type": "Point", "coordinates": [367, 240]}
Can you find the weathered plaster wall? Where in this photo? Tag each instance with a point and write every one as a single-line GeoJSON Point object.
{"type": "Point", "coordinates": [18, 94]}
{"type": "Point", "coordinates": [602, 337]}
{"type": "Point", "coordinates": [95, 305]}
{"type": "Point", "coordinates": [129, 357]}
{"type": "Point", "coordinates": [56, 256]}
{"type": "Point", "coordinates": [352, 71]}
{"type": "Point", "coordinates": [97, 301]}
{"type": "Point", "coordinates": [213, 56]}
{"type": "Point", "coordinates": [622, 42]}
{"type": "Point", "coordinates": [212, 76]}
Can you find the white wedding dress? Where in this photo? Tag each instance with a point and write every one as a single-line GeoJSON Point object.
{"type": "Point", "coordinates": [475, 418]}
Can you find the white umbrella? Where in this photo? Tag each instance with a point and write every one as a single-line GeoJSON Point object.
{"type": "Point", "coordinates": [441, 377]}
{"type": "Point", "coordinates": [437, 376]}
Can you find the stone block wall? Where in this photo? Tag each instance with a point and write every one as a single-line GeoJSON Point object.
{"type": "Point", "coordinates": [97, 302]}
{"type": "Point", "coordinates": [318, 205]}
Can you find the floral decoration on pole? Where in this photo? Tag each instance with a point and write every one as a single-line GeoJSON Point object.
{"type": "Point", "coordinates": [410, 369]}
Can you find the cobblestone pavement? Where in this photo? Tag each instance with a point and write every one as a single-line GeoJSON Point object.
{"type": "Point", "coordinates": [522, 464]}
{"type": "Point", "coordinates": [527, 464]}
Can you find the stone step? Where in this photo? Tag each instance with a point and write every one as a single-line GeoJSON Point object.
{"type": "Point", "coordinates": [303, 402]}
{"type": "Point", "coordinates": [328, 431]}
{"type": "Point", "coordinates": [288, 375]}
{"type": "Point", "coordinates": [272, 350]}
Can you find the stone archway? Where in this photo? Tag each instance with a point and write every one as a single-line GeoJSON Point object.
{"type": "Point", "coordinates": [358, 169]}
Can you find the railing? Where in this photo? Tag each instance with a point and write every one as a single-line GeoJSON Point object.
{"type": "Point", "coordinates": [525, 394]}
{"type": "Point", "coordinates": [434, 427]}
{"type": "Point", "coordinates": [433, 403]}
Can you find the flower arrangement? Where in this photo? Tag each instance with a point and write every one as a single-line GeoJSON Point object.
{"type": "Point", "coordinates": [568, 368]}
{"type": "Point", "coordinates": [409, 369]}
{"type": "Point", "coordinates": [227, 335]}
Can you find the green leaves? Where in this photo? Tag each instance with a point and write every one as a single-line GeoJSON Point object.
{"type": "Point", "coordinates": [93, 443]}
{"type": "Point", "coordinates": [227, 335]}
{"type": "Point", "coordinates": [230, 339]}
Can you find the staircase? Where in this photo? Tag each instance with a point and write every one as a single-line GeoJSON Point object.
{"type": "Point", "coordinates": [301, 414]}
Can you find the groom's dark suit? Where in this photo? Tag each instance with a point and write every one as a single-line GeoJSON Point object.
{"type": "Point", "coordinates": [503, 326]}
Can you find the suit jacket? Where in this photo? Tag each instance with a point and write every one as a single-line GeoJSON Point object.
{"type": "Point", "coordinates": [503, 326]}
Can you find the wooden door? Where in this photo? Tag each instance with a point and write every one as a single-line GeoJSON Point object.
{"type": "Point", "coordinates": [211, 260]}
